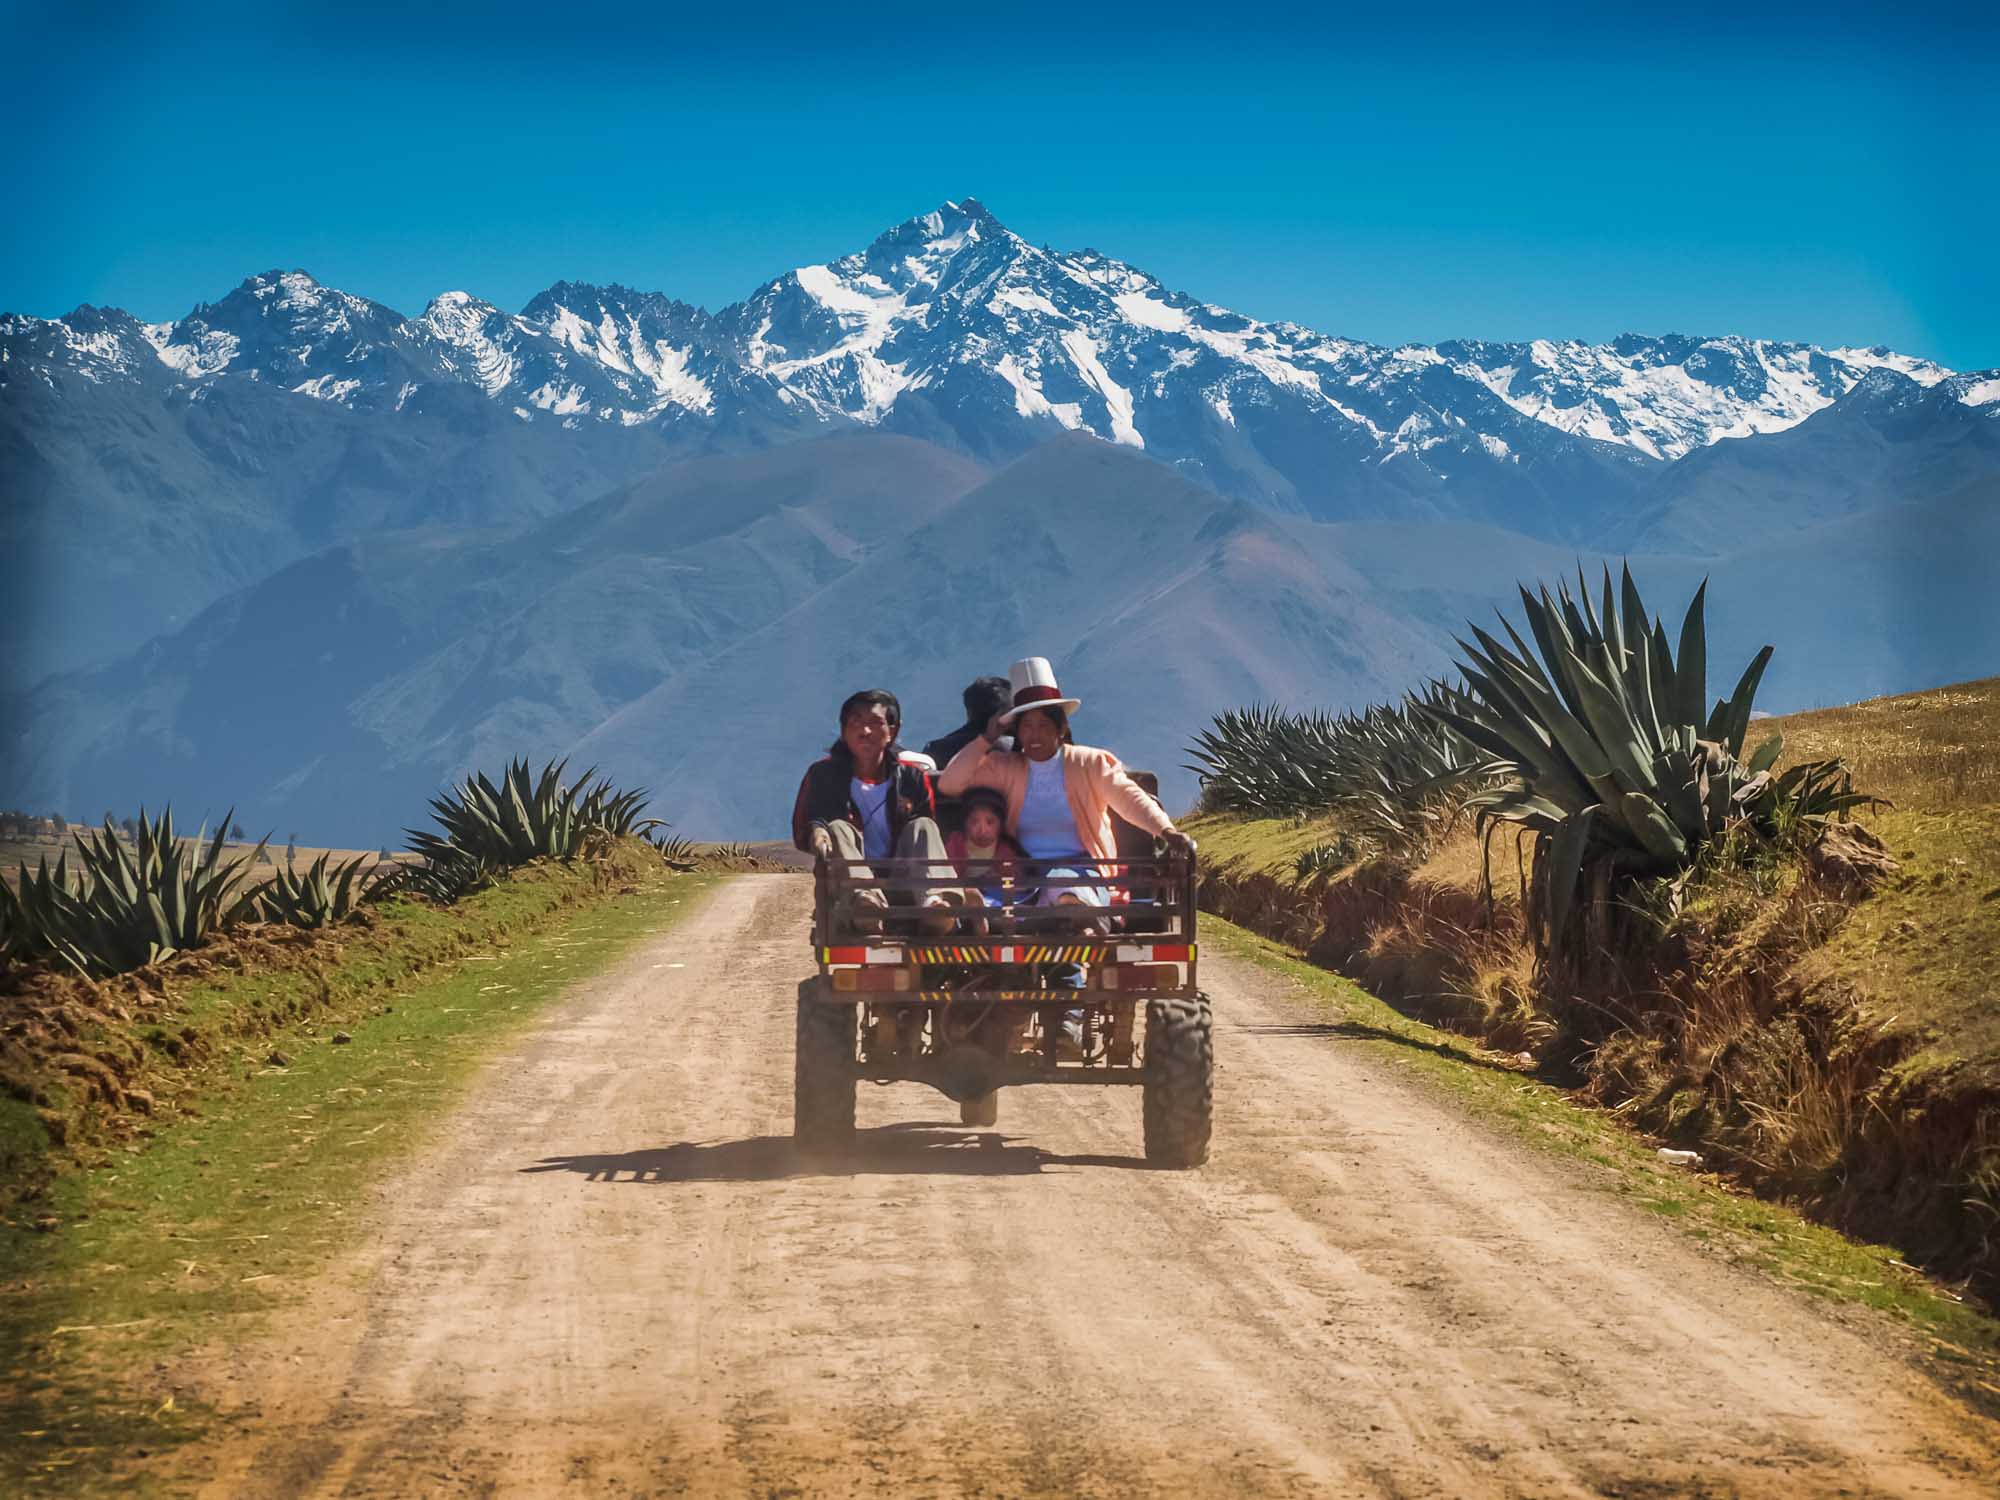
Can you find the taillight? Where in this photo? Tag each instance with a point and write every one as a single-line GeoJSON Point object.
{"type": "Point", "coordinates": [1139, 977]}
{"type": "Point", "coordinates": [872, 980]}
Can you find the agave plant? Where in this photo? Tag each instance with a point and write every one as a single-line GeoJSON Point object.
{"type": "Point", "coordinates": [1396, 772]}
{"type": "Point", "coordinates": [675, 850]}
{"type": "Point", "coordinates": [490, 828]}
{"type": "Point", "coordinates": [1609, 750]}
{"type": "Point", "coordinates": [609, 812]}
{"type": "Point", "coordinates": [527, 817]}
{"type": "Point", "coordinates": [446, 875]}
{"type": "Point", "coordinates": [122, 907]}
{"type": "Point", "coordinates": [33, 917]}
{"type": "Point", "coordinates": [324, 896]}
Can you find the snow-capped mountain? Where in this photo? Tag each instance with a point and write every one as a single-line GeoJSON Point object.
{"type": "Point", "coordinates": [574, 351]}
{"type": "Point", "coordinates": [1099, 345]}
{"type": "Point", "coordinates": [952, 327]}
{"type": "Point", "coordinates": [302, 554]}
{"type": "Point", "coordinates": [289, 415]}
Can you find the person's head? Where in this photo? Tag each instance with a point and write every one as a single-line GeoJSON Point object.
{"type": "Point", "coordinates": [869, 723]}
{"type": "Point", "coordinates": [1040, 732]}
{"type": "Point", "coordinates": [984, 697]}
{"type": "Point", "coordinates": [985, 816]}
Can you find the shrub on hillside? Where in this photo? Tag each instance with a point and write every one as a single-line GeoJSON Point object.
{"type": "Point", "coordinates": [490, 828]}
{"type": "Point", "coordinates": [125, 904]}
{"type": "Point", "coordinates": [523, 818]}
{"type": "Point", "coordinates": [132, 900]}
{"type": "Point", "coordinates": [1610, 752]}
{"type": "Point", "coordinates": [1395, 773]}
{"type": "Point", "coordinates": [322, 897]}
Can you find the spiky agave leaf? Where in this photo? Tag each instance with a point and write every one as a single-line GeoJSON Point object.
{"type": "Point", "coordinates": [490, 826]}
{"type": "Point", "coordinates": [1396, 773]}
{"type": "Point", "coordinates": [121, 906]}
{"type": "Point", "coordinates": [1608, 748]}
{"type": "Point", "coordinates": [324, 896]}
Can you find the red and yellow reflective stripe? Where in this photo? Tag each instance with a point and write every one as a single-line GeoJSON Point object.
{"type": "Point", "coordinates": [1012, 953]}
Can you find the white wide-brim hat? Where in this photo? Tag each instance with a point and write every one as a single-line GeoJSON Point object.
{"type": "Point", "coordinates": [1034, 685]}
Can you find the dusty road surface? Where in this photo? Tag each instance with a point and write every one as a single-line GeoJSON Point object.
{"type": "Point", "coordinates": [611, 1277]}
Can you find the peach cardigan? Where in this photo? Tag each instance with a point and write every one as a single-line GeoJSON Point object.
{"type": "Point", "coordinates": [1094, 779]}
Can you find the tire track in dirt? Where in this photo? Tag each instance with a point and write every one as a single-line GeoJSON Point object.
{"type": "Point", "coordinates": [610, 1274]}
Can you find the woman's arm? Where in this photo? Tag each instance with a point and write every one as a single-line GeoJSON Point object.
{"type": "Point", "coordinates": [966, 766]}
{"type": "Point", "coordinates": [1129, 800]}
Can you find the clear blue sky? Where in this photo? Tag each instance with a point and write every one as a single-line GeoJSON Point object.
{"type": "Point", "coordinates": [1410, 174]}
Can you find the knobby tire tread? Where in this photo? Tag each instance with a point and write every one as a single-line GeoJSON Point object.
{"type": "Point", "coordinates": [1179, 1089]}
{"type": "Point", "coordinates": [823, 1073]}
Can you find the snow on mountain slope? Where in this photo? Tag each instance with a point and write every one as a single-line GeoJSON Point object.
{"type": "Point", "coordinates": [952, 327]}
{"type": "Point", "coordinates": [96, 344]}
{"type": "Point", "coordinates": [604, 353]}
{"type": "Point", "coordinates": [284, 328]}
{"type": "Point", "coordinates": [1668, 396]}
{"type": "Point", "coordinates": [1093, 343]}
{"type": "Point", "coordinates": [1976, 387]}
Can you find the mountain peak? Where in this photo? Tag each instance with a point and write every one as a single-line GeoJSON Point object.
{"type": "Point", "coordinates": [945, 229]}
{"type": "Point", "coordinates": [581, 295]}
{"type": "Point", "coordinates": [295, 283]}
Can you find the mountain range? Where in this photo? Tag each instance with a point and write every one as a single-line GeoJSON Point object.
{"type": "Point", "coordinates": [299, 552]}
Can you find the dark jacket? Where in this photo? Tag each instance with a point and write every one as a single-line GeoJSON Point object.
{"type": "Point", "coordinates": [941, 750]}
{"type": "Point", "coordinates": [824, 796]}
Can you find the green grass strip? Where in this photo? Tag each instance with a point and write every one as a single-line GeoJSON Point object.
{"type": "Point", "coordinates": [201, 1230]}
{"type": "Point", "coordinates": [1963, 1344]}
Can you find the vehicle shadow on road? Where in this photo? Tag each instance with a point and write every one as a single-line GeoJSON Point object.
{"type": "Point", "coordinates": [1361, 1031]}
{"type": "Point", "coordinates": [918, 1146]}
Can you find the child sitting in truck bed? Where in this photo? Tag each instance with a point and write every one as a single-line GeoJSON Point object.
{"type": "Point", "coordinates": [981, 852]}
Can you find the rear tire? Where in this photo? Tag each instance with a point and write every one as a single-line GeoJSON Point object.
{"type": "Point", "coordinates": [1180, 1072]}
{"type": "Point", "coordinates": [985, 1110]}
{"type": "Point", "coordinates": [823, 1072]}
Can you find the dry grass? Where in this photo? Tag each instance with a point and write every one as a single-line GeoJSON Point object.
{"type": "Point", "coordinates": [1935, 750]}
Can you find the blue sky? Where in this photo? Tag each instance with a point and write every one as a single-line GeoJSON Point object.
{"type": "Point", "coordinates": [1403, 174]}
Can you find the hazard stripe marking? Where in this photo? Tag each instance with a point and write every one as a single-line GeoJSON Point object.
{"type": "Point", "coordinates": [1011, 953]}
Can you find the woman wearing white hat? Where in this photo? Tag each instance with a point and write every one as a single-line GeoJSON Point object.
{"type": "Point", "coordinates": [1060, 795]}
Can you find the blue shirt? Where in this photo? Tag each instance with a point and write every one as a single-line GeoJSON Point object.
{"type": "Point", "coordinates": [871, 800]}
{"type": "Point", "coordinates": [1047, 828]}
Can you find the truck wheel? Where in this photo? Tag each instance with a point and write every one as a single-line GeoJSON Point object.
{"type": "Point", "coordinates": [1180, 1069]}
{"type": "Point", "coordinates": [985, 1110]}
{"type": "Point", "coordinates": [823, 1072]}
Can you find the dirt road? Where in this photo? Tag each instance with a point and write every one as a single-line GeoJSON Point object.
{"type": "Point", "coordinates": [611, 1276]}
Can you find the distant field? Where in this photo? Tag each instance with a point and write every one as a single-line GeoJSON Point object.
{"type": "Point", "coordinates": [1933, 749]}
{"type": "Point", "coordinates": [16, 852]}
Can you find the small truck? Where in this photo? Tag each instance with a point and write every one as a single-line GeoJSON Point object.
{"type": "Point", "coordinates": [972, 998]}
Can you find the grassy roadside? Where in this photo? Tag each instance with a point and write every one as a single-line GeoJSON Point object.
{"type": "Point", "coordinates": [1824, 1027]}
{"type": "Point", "coordinates": [1960, 1345]}
{"type": "Point", "coordinates": [148, 1247]}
